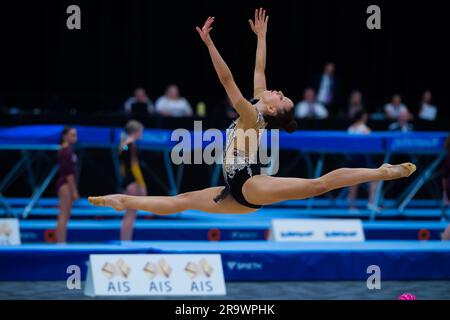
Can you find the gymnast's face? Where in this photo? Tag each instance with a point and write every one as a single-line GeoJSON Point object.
{"type": "Point", "coordinates": [275, 102]}
{"type": "Point", "coordinates": [71, 136]}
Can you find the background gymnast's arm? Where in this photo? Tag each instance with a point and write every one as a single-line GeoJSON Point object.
{"type": "Point", "coordinates": [259, 27]}
{"type": "Point", "coordinates": [73, 187]}
{"type": "Point", "coordinates": [242, 106]}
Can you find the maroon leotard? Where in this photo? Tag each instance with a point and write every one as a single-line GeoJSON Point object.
{"type": "Point", "coordinates": [67, 160]}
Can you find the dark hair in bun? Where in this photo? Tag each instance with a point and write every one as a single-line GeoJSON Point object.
{"type": "Point", "coordinates": [283, 120]}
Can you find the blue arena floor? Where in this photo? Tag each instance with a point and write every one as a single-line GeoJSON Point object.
{"type": "Point", "coordinates": [94, 224]}
{"type": "Point", "coordinates": [247, 255]}
{"type": "Point", "coordinates": [249, 260]}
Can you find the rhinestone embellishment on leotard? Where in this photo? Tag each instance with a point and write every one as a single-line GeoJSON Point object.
{"type": "Point", "coordinates": [240, 159]}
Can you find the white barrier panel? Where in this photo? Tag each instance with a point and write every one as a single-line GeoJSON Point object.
{"type": "Point", "coordinates": [329, 230]}
{"type": "Point", "coordinates": [9, 232]}
{"type": "Point", "coordinates": [155, 275]}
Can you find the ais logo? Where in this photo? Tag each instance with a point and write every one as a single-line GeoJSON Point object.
{"type": "Point", "coordinates": [120, 268]}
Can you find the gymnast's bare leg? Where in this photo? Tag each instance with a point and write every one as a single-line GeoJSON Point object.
{"type": "Point", "coordinates": [255, 191]}
{"type": "Point", "coordinates": [196, 200]}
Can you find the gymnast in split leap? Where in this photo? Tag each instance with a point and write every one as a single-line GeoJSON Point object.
{"type": "Point", "coordinates": [246, 188]}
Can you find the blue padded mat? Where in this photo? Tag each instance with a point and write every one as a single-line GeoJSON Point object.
{"type": "Point", "coordinates": [251, 260]}
{"type": "Point", "coordinates": [200, 229]}
{"type": "Point", "coordinates": [317, 141]}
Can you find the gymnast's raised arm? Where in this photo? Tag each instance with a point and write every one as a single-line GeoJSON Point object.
{"type": "Point", "coordinates": [246, 111]}
{"type": "Point", "coordinates": [259, 27]}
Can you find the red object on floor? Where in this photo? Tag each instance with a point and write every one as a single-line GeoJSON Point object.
{"type": "Point", "coordinates": [50, 235]}
{"type": "Point", "coordinates": [423, 234]}
{"type": "Point", "coordinates": [214, 234]}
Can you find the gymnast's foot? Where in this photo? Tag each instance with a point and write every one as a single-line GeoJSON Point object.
{"type": "Point", "coordinates": [399, 170]}
{"type": "Point", "coordinates": [113, 200]}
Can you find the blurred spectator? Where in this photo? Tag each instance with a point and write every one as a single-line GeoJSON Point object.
{"type": "Point", "coordinates": [325, 85]}
{"type": "Point", "coordinates": [359, 123]}
{"type": "Point", "coordinates": [354, 104]}
{"type": "Point", "coordinates": [402, 124]}
{"type": "Point", "coordinates": [395, 108]}
{"type": "Point", "coordinates": [309, 107]}
{"type": "Point", "coordinates": [171, 104]}
{"type": "Point", "coordinates": [139, 103]}
{"type": "Point", "coordinates": [359, 126]}
{"type": "Point", "coordinates": [427, 110]}
{"type": "Point", "coordinates": [446, 184]}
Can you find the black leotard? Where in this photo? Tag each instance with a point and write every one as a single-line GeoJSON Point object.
{"type": "Point", "coordinates": [237, 173]}
{"type": "Point", "coordinates": [125, 154]}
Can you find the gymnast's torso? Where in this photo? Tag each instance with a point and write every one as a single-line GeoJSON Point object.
{"type": "Point", "coordinates": [126, 151]}
{"type": "Point", "coordinates": [241, 146]}
{"type": "Point", "coordinates": [240, 157]}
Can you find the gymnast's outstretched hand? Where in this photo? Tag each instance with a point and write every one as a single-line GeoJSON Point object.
{"type": "Point", "coordinates": [259, 26]}
{"type": "Point", "coordinates": [204, 31]}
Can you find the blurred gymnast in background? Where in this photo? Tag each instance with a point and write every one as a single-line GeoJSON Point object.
{"type": "Point", "coordinates": [133, 182]}
{"type": "Point", "coordinates": [247, 190]}
{"type": "Point", "coordinates": [66, 183]}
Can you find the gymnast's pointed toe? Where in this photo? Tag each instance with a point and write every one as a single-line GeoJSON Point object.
{"type": "Point", "coordinates": [114, 201]}
{"type": "Point", "coordinates": [398, 171]}
{"type": "Point", "coordinates": [97, 201]}
{"type": "Point", "coordinates": [410, 168]}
